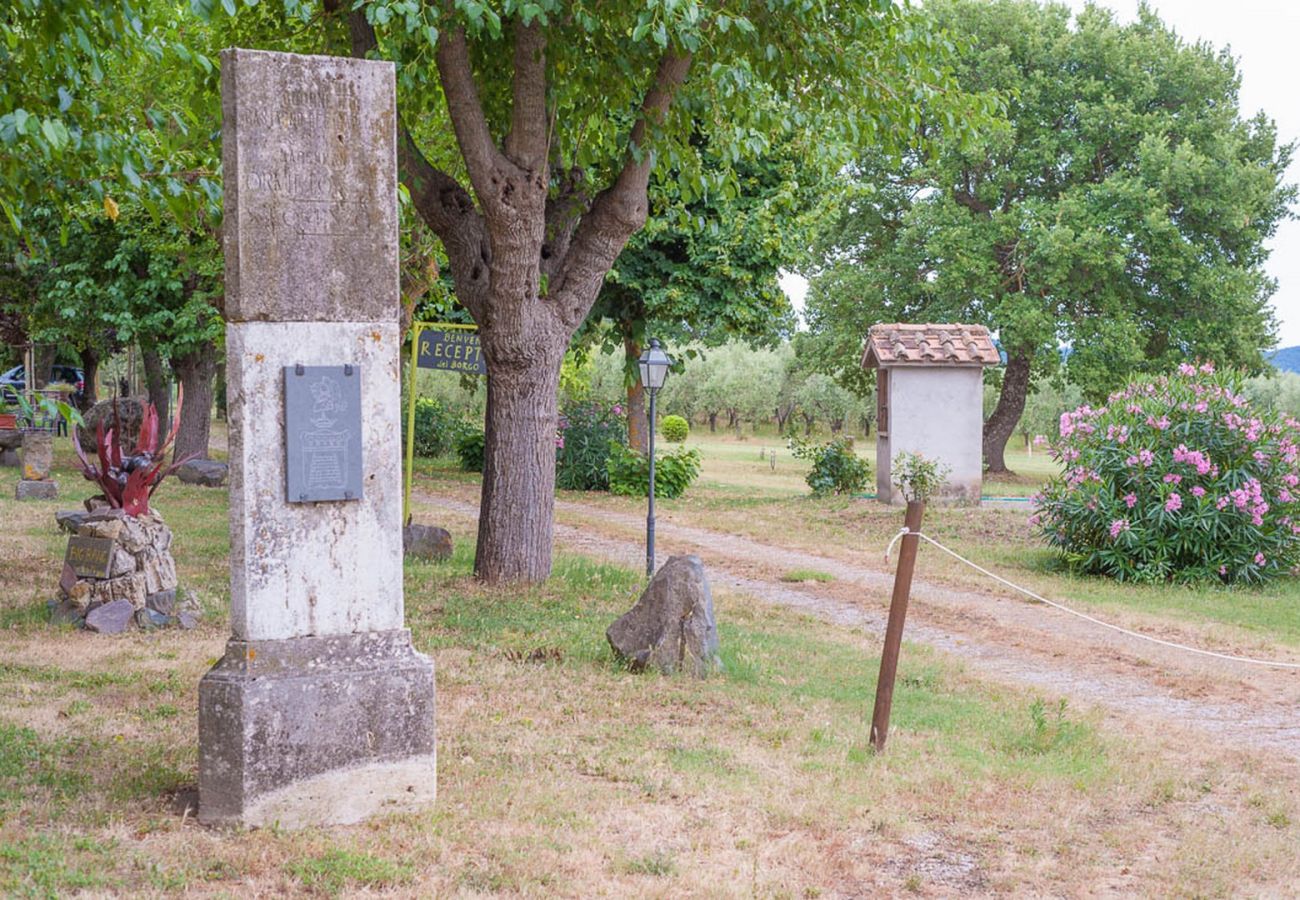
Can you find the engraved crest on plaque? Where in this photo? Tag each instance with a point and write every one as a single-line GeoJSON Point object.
{"type": "Point", "coordinates": [322, 412]}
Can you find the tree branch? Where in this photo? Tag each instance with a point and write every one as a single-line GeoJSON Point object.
{"type": "Point", "coordinates": [526, 142]}
{"type": "Point", "coordinates": [620, 209]}
{"type": "Point", "coordinates": [482, 158]}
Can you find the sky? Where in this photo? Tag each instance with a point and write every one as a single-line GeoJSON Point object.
{"type": "Point", "coordinates": [1264, 36]}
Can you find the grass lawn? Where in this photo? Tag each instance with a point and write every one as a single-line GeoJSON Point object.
{"type": "Point", "coordinates": [560, 773]}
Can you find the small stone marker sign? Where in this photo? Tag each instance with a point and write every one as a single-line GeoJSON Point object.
{"type": "Point", "coordinates": [89, 557]}
{"type": "Point", "coordinates": [322, 431]}
{"type": "Point", "coordinates": [456, 351]}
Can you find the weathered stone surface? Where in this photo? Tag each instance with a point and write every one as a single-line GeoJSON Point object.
{"type": "Point", "coordinates": [38, 455]}
{"type": "Point", "coordinates": [70, 520]}
{"type": "Point", "coordinates": [129, 415]}
{"type": "Point", "coordinates": [128, 588]}
{"type": "Point", "coordinates": [37, 490]}
{"type": "Point", "coordinates": [163, 602]}
{"type": "Point", "coordinates": [65, 612]}
{"type": "Point", "coordinates": [158, 568]}
{"type": "Point", "coordinates": [103, 524]}
{"type": "Point", "coordinates": [203, 472]}
{"type": "Point", "coordinates": [9, 458]}
{"type": "Point", "coordinates": [320, 712]}
{"type": "Point", "coordinates": [671, 627]}
{"type": "Point", "coordinates": [309, 156]}
{"type": "Point", "coordinates": [147, 619]}
{"type": "Point", "coordinates": [123, 563]}
{"type": "Point", "coordinates": [316, 731]}
{"type": "Point", "coordinates": [426, 541]}
{"type": "Point", "coordinates": [110, 618]}
{"type": "Point", "coordinates": [188, 620]}
{"type": "Point", "coordinates": [298, 569]}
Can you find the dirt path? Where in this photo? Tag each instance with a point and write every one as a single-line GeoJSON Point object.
{"type": "Point", "coordinates": [1133, 682]}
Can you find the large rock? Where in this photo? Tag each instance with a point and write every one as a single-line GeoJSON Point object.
{"type": "Point", "coordinates": [111, 618]}
{"type": "Point", "coordinates": [37, 490]}
{"type": "Point", "coordinates": [203, 472]}
{"type": "Point", "coordinates": [10, 440]}
{"type": "Point", "coordinates": [671, 628]}
{"type": "Point", "coordinates": [426, 542]}
{"type": "Point", "coordinates": [130, 413]}
{"type": "Point", "coordinates": [38, 455]}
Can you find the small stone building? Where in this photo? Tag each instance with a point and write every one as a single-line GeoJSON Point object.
{"type": "Point", "coordinates": [930, 400]}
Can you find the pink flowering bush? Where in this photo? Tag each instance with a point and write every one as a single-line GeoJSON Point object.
{"type": "Point", "coordinates": [1176, 478]}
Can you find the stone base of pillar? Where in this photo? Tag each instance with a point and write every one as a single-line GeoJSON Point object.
{"type": "Point", "coordinates": [316, 731]}
{"type": "Point", "coordinates": [36, 490]}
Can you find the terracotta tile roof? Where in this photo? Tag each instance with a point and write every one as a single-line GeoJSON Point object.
{"type": "Point", "coordinates": [929, 345]}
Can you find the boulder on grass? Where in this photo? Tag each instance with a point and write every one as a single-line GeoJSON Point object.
{"type": "Point", "coordinates": [671, 628]}
{"type": "Point", "coordinates": [426, 542]}
{"type": "Point", "coordinates": [203, 472]}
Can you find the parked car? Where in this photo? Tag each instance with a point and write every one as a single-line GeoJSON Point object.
{"type": "Point", "coordinates": [15, 380]}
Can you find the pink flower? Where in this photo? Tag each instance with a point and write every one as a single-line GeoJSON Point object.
{"type": "Point", "coordinates": [1223, 570]}
{"type": "Point", "coordinates": [1198, 491]}
{"type": "Point", "coordinates": [1186, 369]}
{"type": "Point", "coordinates": [1117, 526]}
{"type": "Point", "coordinates": [1174, 503]}
{"type": "Point", "coordinates": [1284, 495]}
{"type": "Point", "coordinates": [1259, 559]}
{"type": "Point", "coordinates": [1147, 458]}
{"type": "Point", "coordinates": [1130, 500]}
{"type": "Point", "coordinates": [1207, 368]}
{"type": "Point", "coordinates": [1171, 478]}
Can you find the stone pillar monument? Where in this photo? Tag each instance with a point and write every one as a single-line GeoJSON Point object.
{"type": "Point", "coordinates": [321, 711]}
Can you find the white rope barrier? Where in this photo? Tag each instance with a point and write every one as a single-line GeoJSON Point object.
{"type": "Point", "coordinates": [1087, 618]}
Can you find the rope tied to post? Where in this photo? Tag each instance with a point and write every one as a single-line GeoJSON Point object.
{"type": "Point", "coordinates": [1271, 663]}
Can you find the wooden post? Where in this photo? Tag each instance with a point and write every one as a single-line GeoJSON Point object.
{"type": "Point", "coordinates": [894, 629]}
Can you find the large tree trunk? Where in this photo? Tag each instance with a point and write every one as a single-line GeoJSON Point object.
{"type": "Point", "coordinates": [1011, 404]}
{"type": "Point", "coordinates": [156, 383]}
{"type": "Point", "coordinates": [527, 262]}
{"type": "Point", "coordinates": [782, 416]}
{"type": "Point", "coordinates": [638, 429]}
{"type": "Point", "coordinates": [195, 372]}
{"type": "Point", "coordinates": [518, 497]}
{"type": "Point", "coordinates": [90, 376]}
{"type": "Point", "coordinates": [808, 422]}
{"type": "Point", "coordinates": [42, 365]}
{"type": "Point", "coordinates": [713, 422]}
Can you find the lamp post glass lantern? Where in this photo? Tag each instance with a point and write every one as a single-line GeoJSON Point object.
{"type": "Point", "coordinates": [654, 363]}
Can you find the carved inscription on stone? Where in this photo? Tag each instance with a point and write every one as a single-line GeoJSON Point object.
{"type": "Point", "coordinates": [312, 166]}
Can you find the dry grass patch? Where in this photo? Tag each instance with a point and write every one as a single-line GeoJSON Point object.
{"type": "Point", "coordinates": [561, 773]}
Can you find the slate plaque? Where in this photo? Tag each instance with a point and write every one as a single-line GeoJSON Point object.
{"type": "Point", "coordinates": [322, 433]}
{"type": "Point", "coordinates": [89, 557]}
{"type": "Point", "coordinates": [454, 350]}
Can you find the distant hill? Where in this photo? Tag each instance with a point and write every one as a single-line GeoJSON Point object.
{"type": "Point", "coordinates": [1287, 359]}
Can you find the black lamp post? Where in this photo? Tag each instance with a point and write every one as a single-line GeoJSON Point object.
{"type": "Point", "coordinates": [654, 365]}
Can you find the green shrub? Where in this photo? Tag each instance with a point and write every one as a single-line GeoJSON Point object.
{"type": "Point", "coordinates": [674, 429]}
{"type": "Point", "coordinates": [917, 477]}
{"type": "Point", "coordinates": [836, 468]}
{"type": "Point", "coordinates": [582, 443]}
{"type": "Point", "coordinates": [436, 428]}
{"type": "Point", "coordinates": [1176, 478]}
{"type": "Point", "coordinates": [629, 471]}
{"type": "Point", "coordinates": [469, 449]}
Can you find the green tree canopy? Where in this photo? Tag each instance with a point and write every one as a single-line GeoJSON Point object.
{"type": "Point", "coordinates": [1120, 209]}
